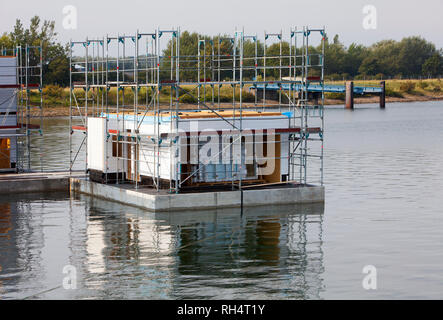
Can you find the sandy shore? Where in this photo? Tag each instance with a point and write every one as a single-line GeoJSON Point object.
{"type": "Point", "coordinates": [376, 99]}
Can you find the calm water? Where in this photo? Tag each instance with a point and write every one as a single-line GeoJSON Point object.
{"type": "Point", "coordinates": [384, 207]}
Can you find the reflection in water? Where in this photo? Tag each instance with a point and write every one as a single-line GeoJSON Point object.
{"type": "Point", "coordinates": [23, 251]}
{"type": "Point", "coordinates": [5, 236]}
{"type": "Point", "coordinates": [50, 152]}
{"type": "Point", "coordinates": [124, 252]}
{"type": "Point", "coordinates": [212, 254]}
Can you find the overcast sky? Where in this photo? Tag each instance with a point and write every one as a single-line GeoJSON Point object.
{"type": "Point", "coordinates": [395, 19]}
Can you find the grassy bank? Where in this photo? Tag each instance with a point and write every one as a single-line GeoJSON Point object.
{"type": "Point", "coordinates": [56, 99]}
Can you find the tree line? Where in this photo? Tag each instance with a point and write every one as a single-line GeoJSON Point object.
{"type": "Point", "coordinates": [55, 55]}
{"type": "Point", "coordinates": [411, 57]}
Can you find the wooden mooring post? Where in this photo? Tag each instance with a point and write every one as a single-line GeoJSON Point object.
{"type": "Point", "coordinates": [349, 95]}
{"type": "Point", "coordinates": [383, 95]}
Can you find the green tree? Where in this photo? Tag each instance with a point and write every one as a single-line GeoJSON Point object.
{"type": "Point", "coordinates": [334, 56]}
{"type": "Point", "coordinates": [433, 66]}
{"type": "Point", "coordinates": [274, 50]}
{"type": "Point", "coordinates": [249, 57]}
{"type": "Point", "coordinates": [370, 66]}
{"type": "Point", "coordinates": [386, 53]}
{"type": "Point", "coordinates": [353, 58]}
{"type": "Point", "coordinates": [414, 51]}
{"type": "Point", "coordinates": [6, 42]}
{"type": "Point", "coordinates": [189, 51]}
{"type": "Point", "coordinates": [55, 56]}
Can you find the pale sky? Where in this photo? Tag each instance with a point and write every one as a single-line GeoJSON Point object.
{"type": "Point", "coordinates": [395, 19]}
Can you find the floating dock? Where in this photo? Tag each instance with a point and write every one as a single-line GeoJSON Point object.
{"type": "Point", "coordinates": [317, 88]}
{"type": "Point", "coordinates": [153, 200]}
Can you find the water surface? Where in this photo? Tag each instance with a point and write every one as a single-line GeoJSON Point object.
{"type": "Point", "coordinates": [384, 186]}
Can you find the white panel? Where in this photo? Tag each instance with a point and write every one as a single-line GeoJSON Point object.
{"type": "Point", "coordinates": [248, 123]}
{"type": "Point", "coordinates": [96, 143]}
{"type": "Point", "coordinates": [284, 153]}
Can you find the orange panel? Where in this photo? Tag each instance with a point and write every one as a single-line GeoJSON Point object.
{"type": "Point", "coordinates": [5, 154]}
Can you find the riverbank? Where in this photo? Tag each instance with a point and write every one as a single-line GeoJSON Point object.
{"type": "Point", "coordinates": [60, 111]}
{"type": "Point", "coordinates": [56, 99]}
{"type": "Point", "coordinates": [376, 99]}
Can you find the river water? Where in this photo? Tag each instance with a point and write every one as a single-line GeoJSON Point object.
{"type": "Point", "coordinates": [383, 208]}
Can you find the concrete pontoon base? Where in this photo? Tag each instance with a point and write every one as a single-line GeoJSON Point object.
{"type": "Point", "coordinates": [30, 182]}
{"type": "Point", "coordinates": [153, 201]}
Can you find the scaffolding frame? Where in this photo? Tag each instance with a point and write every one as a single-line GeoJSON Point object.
{"type": "Point", "coordinates": [29, 113]}
{"type": "Point", "coordinates": [160, 71]}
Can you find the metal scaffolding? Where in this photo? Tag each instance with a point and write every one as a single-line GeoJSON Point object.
{"type": "Point", "coordinates": [152, 73]}
{"type": "Point", "coordinates": [25, 103]}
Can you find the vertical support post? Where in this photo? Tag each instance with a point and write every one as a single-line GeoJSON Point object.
{"type": "Point", "coordinates": [177, 108]}
{"type": "Point", "coordinates": [157, 112]}
{"type": "Point", "coordinates": [322, 102]}
{"type": "Point", "coordinates": [242, 162]}
{"type": "Point", "coordinates": [106, 91]}
{"type": "Point", "coordinates": [280, 68]}
{"type": "Point", "coordinates": [234, 167]}
{"type": "Point", "coordinates": [86, 104]}
{"type": "Point", "coordinates": [28, 113]}
{"type": "Point", "coordinates": [306, 107]}
{"type": "Point", "coordinates": [264, 71]}
{"type": "Point", "coordinates": [383, 95]}
{"type": "Point", "coordinates": [117, 178]}
{"type": "Point", "coordinates": [198, 74]}
{"type": "Point", "coordinates": [218, 70]}
{"type": "Point", "coordinates": [136, 134]}
{"type": "Point", "coordinates": [71, 92]}
{"type": "Point", "coordinates": [41, 98]}
{"type": "Point", "coordinates": [255, 70]}
{"type": "Point", "coordinates": [350, 95]}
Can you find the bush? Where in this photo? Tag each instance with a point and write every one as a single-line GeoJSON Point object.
{"type": "Point", "coordinates": [436, 83]}
{"type": "Point", "coordinates": [407, 86]}
{"type": "Point", "coordinates": [335, 77]}
{"type": "Point", "coordinates": [335, 95]}
{"type": "Point", "coordinates": [389, 92]}
{"type": "Point", "coordinates": [53, 91]}
{"type": "Point", "coordinates": [166, 90]}
{"type": "Point", "coordinates": [224, 97]}
{"type": "Point", "coordinates": [422, 84]}
{"type": "Point", "coordinates": [436, 89]}
{"type": "Point", "coordinates": [186, 98]}
{"type": "Point", "coordinates": [246, 96]}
